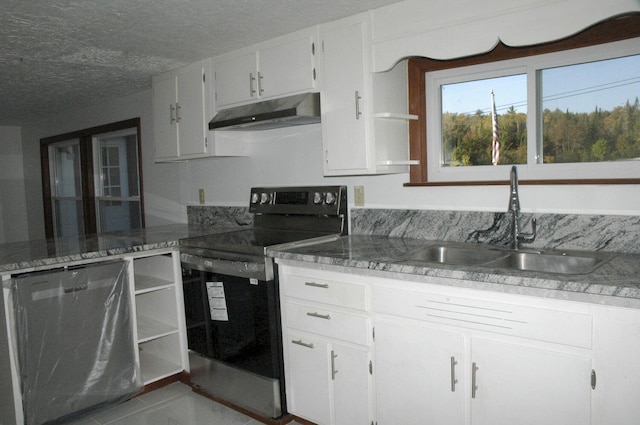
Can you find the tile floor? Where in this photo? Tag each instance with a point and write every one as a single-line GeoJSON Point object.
{"type": "Point", "coordinates": [174, 404]}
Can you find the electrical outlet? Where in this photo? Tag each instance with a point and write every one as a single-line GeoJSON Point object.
{"type": "Point", "coordinates": [201, 195]}
{"type": "Point", "coordinates": [358, 192]}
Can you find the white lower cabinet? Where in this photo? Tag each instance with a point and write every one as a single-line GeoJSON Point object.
{"type": "Point", "coordinates": [329, 381]}
{"type": "Point", "coordinates": [521, 384]}
{"type": "Point", "coordinates": [441, 354]}
{"type": "Point", "coordinates": [456, 359]}
{"type": "Point", "coordinates": [326, 330]}
{"type": "Point", "coordinates": [418, 368]}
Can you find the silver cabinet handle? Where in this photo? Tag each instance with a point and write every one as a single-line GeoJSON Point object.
{"type": "Point", "coordinates": [178, 107]}
{"type": "Point", "coordinates": [252, 92]}
{"type": "Point", "coordinates": [333, 365]}
{"type": "Point", "coordinates": [317, 285]}
{"type": "Point", "coordinates": [358, 113]}
{"type": "Point", "coordinates": [260, 89]}
{"type": "Point", "coordinates": [172, 114]}
{"type": "Point", "coordinates": [319, 316]}
{"type": "Point", "coordinates": [474, 386]}
{"type": "Point", "coordinates": [304, 344]}
{"type": "Point", "coordinates": [454, 381]}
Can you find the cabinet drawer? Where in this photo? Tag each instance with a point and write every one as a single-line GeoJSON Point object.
{"type": "Point", "coordinates": [341, 294]}
{"type": "Point", "coordinates": [556, 326]}
{"type": "Point", "coordinates": [329, 323]}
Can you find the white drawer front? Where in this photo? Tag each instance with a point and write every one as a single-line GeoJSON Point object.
{"type": "Point", "coordinates": [563, 327]}
{"type": "Point", "coordinates": [349, 295]}
{"type": "Point", "coordinates": [329, 323]}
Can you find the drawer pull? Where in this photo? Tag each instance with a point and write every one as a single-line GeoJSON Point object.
{"type": "Point", "coordinates": [317, 285]}
{"type": "Point", "coordinates": [304, 344]}
{"type": "Point", "coordinates": [319, 316]}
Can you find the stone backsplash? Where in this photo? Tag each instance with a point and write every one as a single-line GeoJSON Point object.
{"type": "Point", "coordinates": [219, 216]}
{"type": "Point", "coordinates": [610, 233]}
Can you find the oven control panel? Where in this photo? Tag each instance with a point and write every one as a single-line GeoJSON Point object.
{"type": "Point", "coordinates": [308, 200]}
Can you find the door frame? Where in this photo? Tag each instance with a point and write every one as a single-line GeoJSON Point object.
{"type": "Point", "coordinates": [85, 137]}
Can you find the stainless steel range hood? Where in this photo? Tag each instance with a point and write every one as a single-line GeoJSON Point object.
{"type": "Point", "coordinates": [284, 112]}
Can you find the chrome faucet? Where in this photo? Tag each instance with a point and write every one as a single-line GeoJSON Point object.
{"type": "Point", "coordinates": [514, 209]}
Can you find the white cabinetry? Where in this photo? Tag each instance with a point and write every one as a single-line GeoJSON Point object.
{"type": "Point", "coordinates": [181, 111]}
{"type": "Point", "coordinates": [449, 355]}
{"type": "Point", "coordinates": [182, 108]}
{"type": "Point", "coordinates": [326, 334]}
{"type": "Point", "coordinates": [274, 69]}
{"type": "Point", "coordinates": [159, 315]}
{"type": "Point", "coordinates": [364, 115]}
{"type": "Point", "coordinates": [437, 353]}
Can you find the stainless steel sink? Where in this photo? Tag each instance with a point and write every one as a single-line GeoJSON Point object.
{"type": "Point", "coordinates": [561, 262]}
{"type": "Point", "coordinates": [445, 254]}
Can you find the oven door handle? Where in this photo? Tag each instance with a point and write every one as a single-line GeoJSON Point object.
{"type": "Point", "coordinates": [258, 268]}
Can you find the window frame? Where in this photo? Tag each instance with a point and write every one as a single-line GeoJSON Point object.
{"type": "Point", "coordinates": [85, 138]}
{"type": "Point", "coordinates": [607, 32]}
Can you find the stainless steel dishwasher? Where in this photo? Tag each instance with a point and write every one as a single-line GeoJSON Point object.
{"type": "Point", "coordinates": [75, 343]}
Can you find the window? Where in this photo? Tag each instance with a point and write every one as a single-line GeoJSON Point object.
{"type": "Point", "coordinates": [567, 112]}
{"type": "Point", "coordinates": [92, 180]}
{"type": "Point", "coordinates": [66, 188]}
{"type": "Point", "coordinates": [117, 182]}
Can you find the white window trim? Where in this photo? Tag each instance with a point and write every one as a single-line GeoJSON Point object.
{"type": "Point", "coordinates": [532, 170]}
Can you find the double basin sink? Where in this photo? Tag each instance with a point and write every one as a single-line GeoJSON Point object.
{"type": "Point", "coordinates": [562, 262]}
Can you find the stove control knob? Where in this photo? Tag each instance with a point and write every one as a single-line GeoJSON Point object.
{"type": "Point", "coordinates": [330, 198]}
{"type": "Point", "coordinates": [264, 198]}
{"type": "Point", "coordinates": [318, 197]}
{"type": "Point", "coordinates": [255, 197]}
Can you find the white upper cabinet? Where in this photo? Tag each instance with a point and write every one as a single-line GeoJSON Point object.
{"type": "Point", "coordinates": [345, 103]}
{"type": "Point", "coordinates": [270, 70]}
{"type": "Point", "coordinates": [180, 112]}
{"type": "Point", "coordinates": [236, 79]}
{"type": "Point", "coordinates": [364, 115]}
{"type": "Point", "coordinates": [182, 107]}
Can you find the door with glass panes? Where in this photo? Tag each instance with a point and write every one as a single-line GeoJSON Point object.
{"type": "Point", "coordinates": [92, 181]}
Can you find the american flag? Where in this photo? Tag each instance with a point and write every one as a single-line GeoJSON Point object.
{"type": "Point", "coordinates": [495, 144]}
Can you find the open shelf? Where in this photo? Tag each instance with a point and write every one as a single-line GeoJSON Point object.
{"type": "Point", "coordinates": [149, 329]}
{"type": "Point", "coordinates": [396, 116]}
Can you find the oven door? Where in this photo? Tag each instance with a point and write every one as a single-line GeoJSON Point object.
{"type": "Point", "coordinates": [233, 319]}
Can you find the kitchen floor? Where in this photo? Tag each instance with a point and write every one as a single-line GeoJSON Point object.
{"type": "Point", "coordinates": [174, 404]}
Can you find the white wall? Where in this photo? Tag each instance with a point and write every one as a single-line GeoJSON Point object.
{"type": "Point", "coordinates": [294, 157]}
{"type": "Point", "coordinates": [13, 227]}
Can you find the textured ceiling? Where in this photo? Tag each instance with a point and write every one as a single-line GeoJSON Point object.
{"type": "Point", "coordinates": [57, 55]}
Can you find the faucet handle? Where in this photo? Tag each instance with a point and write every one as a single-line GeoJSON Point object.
{"type": "Point", "coordinates": [528, 238]}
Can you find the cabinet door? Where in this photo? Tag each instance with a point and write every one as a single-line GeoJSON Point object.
{"type": "Point", "coordinates": [418, 373]}
{"type": "Point", "coordinates": [192, 110]}
{"type": "Point", "coordinates": [307, 377]}
{"type": "Point", "coordinates": [524, 385]}
{"type": "Point", "coordinates": [351, 385]}
{"type": "Point", "coordinates": [344, 99]}
{"type": "Point", "coordinates": [236, 80]}
{"type": "Point", "coordinates": [616, 359]}
{"type": "Point", "coordinates": [165, 133]}
{"type": "Point", "coordinates": [287, 68]}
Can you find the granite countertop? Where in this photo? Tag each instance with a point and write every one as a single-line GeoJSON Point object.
{"type": "Point", "coordinates": [617, 281]}
{"type": "Point", "coordinates": [22, 256]}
